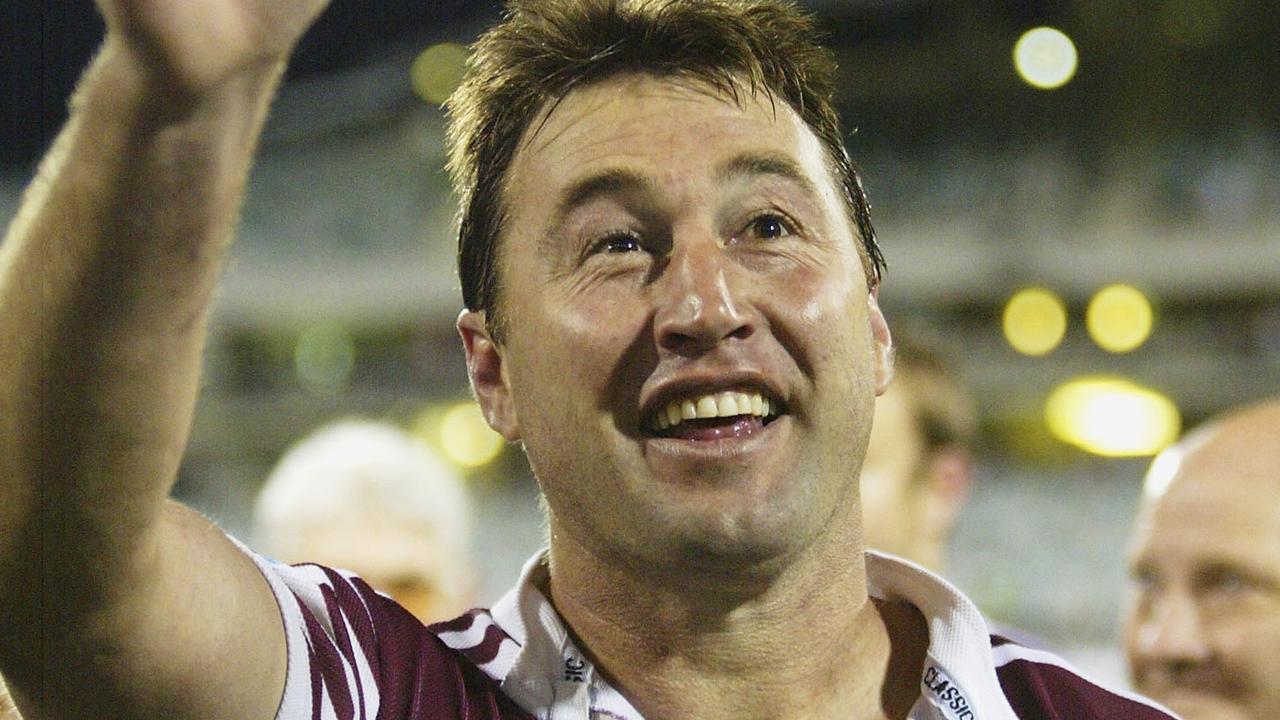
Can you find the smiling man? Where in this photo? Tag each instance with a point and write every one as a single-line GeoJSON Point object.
{"type": "Point", "coordinates": [669, 276]}
{"type": "Point", "coordinates": [1202, 632]}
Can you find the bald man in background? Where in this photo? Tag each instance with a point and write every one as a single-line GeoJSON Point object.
{"type": "Point", "coordinates": [1202, 633]}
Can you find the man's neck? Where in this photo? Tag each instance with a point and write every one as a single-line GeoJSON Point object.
{"type": "Point", "coordinates": [804, 643]}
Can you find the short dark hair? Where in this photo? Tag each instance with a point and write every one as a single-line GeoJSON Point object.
{"type": "Point", "coordinates": [544, 49]}
{"type": "Point", "coordinates": [940, 405]}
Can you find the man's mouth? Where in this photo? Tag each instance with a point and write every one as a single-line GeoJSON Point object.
{"type": "Point", "coordinates": [714, 416]}
{"type": "Point", "coordinates": [1202, 682]}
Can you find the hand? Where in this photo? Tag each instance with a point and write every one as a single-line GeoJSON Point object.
{"type": "Point", "coordinates": [197, 45]}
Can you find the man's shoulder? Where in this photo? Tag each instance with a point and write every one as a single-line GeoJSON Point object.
{"type": "Point", "coordinates": [1038, 684]}
{"type": "Point", "coordinates": [354, 651]}
{"type": "Point", "coordinates": [444, 670]}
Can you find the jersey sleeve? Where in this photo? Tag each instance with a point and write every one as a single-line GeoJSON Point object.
{"type": "Point", "coordinates": [1042, 686]}
{"type": "Point", "coordinates": [355, 654]}
{"type": "Point", "coordinates": [330, 621]}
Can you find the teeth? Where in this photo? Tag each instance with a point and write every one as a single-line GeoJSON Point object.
{"type": "Point", "coordinates": [724, 404]}
{"type": "Point", "coordinates": [688, 411]}
{"type": "Point", "coordinates": [707, 407]}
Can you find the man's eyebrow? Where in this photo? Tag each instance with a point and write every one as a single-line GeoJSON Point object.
{"type": "Point", "coordinates": [612, 181]}
{"type": "Point", "coordinates": [1216, 567]}
{"type": "Point", "coordinates": [766, 163]}
{"type": "Point", "coordinates": [616, 181]}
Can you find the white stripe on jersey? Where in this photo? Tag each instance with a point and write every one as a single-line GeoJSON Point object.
{"type": "Point", "coordinates": [503, 661]}
{"type": "Point", "coordinates": [464, 640]}
{"type": "Point", "coordinates": [472, 636]}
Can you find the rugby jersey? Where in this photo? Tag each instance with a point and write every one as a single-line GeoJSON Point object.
{"type": "Point", "coordinates": [354, 654]}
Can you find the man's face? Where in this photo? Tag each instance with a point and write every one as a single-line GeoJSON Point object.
{"type": "Point", "coordinates": [1203, 630]}
{"type": "Point", "coordinates": [667, 250]}
{"type": "Point", "coordinates": [891, 514]}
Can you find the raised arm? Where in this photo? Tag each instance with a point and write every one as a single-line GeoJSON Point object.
{"type": "Point", "coordinates": [7, 709]}
{"type": "Point", "coordinates": [114, 603]}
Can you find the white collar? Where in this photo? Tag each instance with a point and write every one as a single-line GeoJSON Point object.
{"type": "Point", "coordinates": [548, 676]}
{"type": "Point", "coordinates": [959, 668]}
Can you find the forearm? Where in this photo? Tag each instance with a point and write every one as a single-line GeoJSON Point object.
{"type": "Point", "coordinates": [7, 709]}
{"type": "Point", "coordinates": [105, 280]}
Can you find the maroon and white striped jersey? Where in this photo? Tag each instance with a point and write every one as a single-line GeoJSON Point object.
{"type": "Point", "coordinates": [356, 655]}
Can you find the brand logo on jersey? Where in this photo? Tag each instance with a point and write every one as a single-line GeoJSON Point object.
{"type": "Point", "coordinates": [948, 696]}
{"type": "Point", "coordinates": [575, 670]}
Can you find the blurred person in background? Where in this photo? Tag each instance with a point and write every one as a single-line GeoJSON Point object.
{"type": "Point", "coordinates": [919, 467]}
{"type": "Point", "coordinates": [371, 498]}
{"type": "Point", "coordinates": [1202, 631]}
{"type": "Point", "coordinates": [919, 464]}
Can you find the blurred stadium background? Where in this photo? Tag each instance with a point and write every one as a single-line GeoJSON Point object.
{"type": "Point", "coordinates": [1136, 149]}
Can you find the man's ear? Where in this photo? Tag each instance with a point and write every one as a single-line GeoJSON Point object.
{"type": "Point", "coordinates": [883, 342]}
{"type": "Point", "coordinates": [488, 375]}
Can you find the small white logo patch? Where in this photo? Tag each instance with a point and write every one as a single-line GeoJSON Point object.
{"type": "Point", "coordinates": [945, 694]}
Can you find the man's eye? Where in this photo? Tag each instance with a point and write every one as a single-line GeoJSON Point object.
{"type": "Point", "coordinates": [1144, 580]}
{"type": "Point", "coordinates": [617, 243]}
{"type": "Point", "coordinates": [769, 227]}
{"type": "Point", "coordinates": [1225, 582]}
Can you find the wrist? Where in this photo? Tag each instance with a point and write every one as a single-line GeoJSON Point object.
{"type": "Point", "coordinates": [138, 86]}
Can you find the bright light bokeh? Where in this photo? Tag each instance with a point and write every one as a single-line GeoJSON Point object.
{"type": "Point", "coordinates": [1045, 58]}
{"type": "Point", "coordinates": [465, 437]}
{"type": "Point", "coordinates": [1119, 318]}
{"type": "Point", "coordinates": [1035, 320]}
{"type": "Point", "coordinates": [324, 358]}
{"type": "Point", "coordinates": [437, 71]}
{"type": "Point", "coordinates": [1113, 417]}
{"type": "Point", "coordinates": [1162, 471]}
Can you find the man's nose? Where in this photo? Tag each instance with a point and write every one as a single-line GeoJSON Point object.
{"type": "Point", "coordinates": [701, 299]}
{"type": "Point", "coordinates": [1173, 631]}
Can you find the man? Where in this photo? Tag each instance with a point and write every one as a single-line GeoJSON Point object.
{"type": "Point", "coordinates": [670, 281]}
{"type": "Point", "coordinates": [919, 465]}
{"type": "Point", "coordinates": [368, 497]}
{"type": "Point", "coordinates": [1202, 634]}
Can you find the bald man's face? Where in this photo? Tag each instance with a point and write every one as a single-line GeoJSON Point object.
{"type": "Point", "coordinates": [1203, 630]}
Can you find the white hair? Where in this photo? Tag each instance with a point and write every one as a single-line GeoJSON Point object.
{"type": "Point", "coordinates": [363, 471]}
